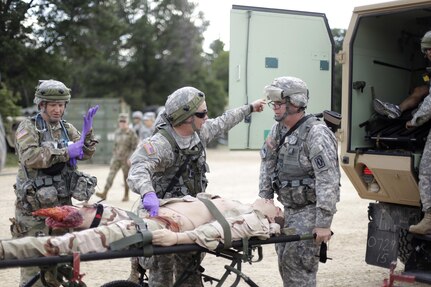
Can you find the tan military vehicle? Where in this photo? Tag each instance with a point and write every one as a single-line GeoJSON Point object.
{"type": "Point", "coordinates": [382, 59]}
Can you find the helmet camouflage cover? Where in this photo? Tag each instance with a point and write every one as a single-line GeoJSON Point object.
{"type": "Point", "coordinates": [182, 104]}
{"type": "Point", "coordinates": [290, 88]}
{"type": "Point", "coordinates": [51, 90]}
{"type": "Point", "coordinates": [426, 42]}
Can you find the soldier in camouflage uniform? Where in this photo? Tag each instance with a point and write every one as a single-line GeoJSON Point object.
{"type": "Point", "coordinates": [421, 116]}
{"type": "Point", "coordinates": [148, 127]}
{"type": "Point", "coordinates": [48, 148]}
{"type": "Point", "coordinates": [172, 163]}
{"type": "Point", "coordinates": [125, 142]}
{"type": "Point", "coordinates": [300, 165]}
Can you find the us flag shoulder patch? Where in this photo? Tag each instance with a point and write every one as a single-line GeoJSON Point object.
{"type": "Point", "coordinates": [149, 148]}
{"type": "Point", "coordinates": [20, 133]}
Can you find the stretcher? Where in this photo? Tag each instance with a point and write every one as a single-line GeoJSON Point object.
{"type": "Point", "coordinates": [239, 252]}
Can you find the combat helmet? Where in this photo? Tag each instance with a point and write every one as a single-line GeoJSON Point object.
{"type": "Point", "coordinates": [290, 88]}
{"type": "Point", "coordinates": [51, 90]}
{"type": "Point", "coordinates": [137, 115]}
{"type": "Point", "coordinates": [426, 42]}
{"type": "Point", "coordinates": [182, 104]}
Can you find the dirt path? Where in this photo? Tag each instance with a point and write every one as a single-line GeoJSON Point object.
{"type": "Point", "coordinates": [233, 174]}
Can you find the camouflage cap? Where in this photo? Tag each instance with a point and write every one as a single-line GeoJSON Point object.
{"type": "Point", "coordinates": [426, 42]}
{"type": "Point", "coordinates": [294, 89]}
{"type": "Point", "coordinates": [149, 116]}
{"type": "Point", "coordinates": [182, 104]}
{"type": "Point", "coordinates": [51, 90]}
{"type": "Point", "coordinates": [123, 117]}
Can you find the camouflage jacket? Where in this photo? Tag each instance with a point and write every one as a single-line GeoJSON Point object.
{"type": "Point", "coordinates": [37, 156]}
{"type": "Point", "coordinates": [155, 162]}
{"type": "Point", "coordinates": [125, 142]}
{"type": "Point", "coordinates": [423, 114]}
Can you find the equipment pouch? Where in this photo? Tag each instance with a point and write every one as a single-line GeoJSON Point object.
{"type": "Point", "coordinates": [60, 184]}
{"type": "Point", "coordinates": [22, 190]}
{"type": "Point", "coordinates": [82, 185]}
{"type": "Point", "coordinates": [47, 196]}
{"type": "Point", "coordinates": [299, 196]}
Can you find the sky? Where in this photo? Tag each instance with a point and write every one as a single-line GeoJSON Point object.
{"type": "Point", "coordinates": [338, 13]}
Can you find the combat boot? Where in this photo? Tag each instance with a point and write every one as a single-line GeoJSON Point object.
{"type": "Point", "coordinates": [102, 195]}
{"type": "Point", "coordinates": [423, 227]}
{"type": "Point", "coordinates": [134, 271]}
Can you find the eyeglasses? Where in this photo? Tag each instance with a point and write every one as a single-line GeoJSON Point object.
{"type": "Point", "coordinates": [201, 115]}
{"type": "Point", "coordinates": [275, 105]}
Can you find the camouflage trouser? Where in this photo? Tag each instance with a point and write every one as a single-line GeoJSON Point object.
{"type": "Point", "coordinates": [425, 176]}
{"type": "Point", "coordinates": [115, 166]}
{"type": "Point", "coordinates": [297, 261]}
{"type": "Point", "coordinates": [163, 269]}
{"type": "Point", "coordinates": [28, 226]}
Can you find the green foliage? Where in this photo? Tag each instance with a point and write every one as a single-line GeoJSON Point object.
{"type": "Point", "coordinates": [8, 103]}
{"type": "Point", "coordinates": [138, 50]}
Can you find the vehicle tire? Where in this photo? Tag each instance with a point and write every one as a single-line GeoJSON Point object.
{"type": "Point", "coordinates": [405, 247]}
{"type": "Point", "coordinates": [121, 283]}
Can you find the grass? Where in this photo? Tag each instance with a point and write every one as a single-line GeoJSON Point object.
{"type": "Point", "coordinates": [11, 159]}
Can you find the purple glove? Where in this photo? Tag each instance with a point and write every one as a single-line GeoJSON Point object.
{"type": "Point", "coordinates": [88, 120]}
{"type": "Point", "coordinates": [151, 203]}
{"type": "Point", "coordinates": [75, 149]}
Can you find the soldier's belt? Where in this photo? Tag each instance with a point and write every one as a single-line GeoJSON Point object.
{"type": "Point", "coordinates": [277, 184]}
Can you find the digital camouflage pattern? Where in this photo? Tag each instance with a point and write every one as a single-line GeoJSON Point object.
{"type": "Point", "coordinates": [155, 163]}
{"type": "Point", "coordinates": [182, 104]}
{"type": "Point", "coordinates": [155, 155]}
{"type": "Point", "coordinates": [34, 154]}
{"type": "Point", "coordinates": [310, 152]}
{"type": "Point", "coordinates": [421, 116]}
{"type": "Point", "coordinates": [125, 142]}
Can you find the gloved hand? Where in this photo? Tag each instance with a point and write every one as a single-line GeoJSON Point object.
{"type": "Point", "coordinates": [88, 120]}
{"type": "Point", "coordinates": [151, 203]}
{"type": "Point", "coordinates": [75, 150]}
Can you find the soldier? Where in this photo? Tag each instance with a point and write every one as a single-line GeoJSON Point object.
{"type": "Point", "coordinates": [125, 142]}
{"type": "Point", "coordinates": [300, 165]}
{"type": "Point", "coordinates": [137, 122]}
{"type": "Point", "coordinates": [48, 148]}
{"type": "Point", "coordinates": [421, 116]}
{"type": "Point", "coordinates": [172, 163]}
{"type": "Point", "coordinates": [148, 128]}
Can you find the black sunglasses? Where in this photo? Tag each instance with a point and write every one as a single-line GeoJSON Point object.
{"type": "Point", "coordinates": [201, 115]}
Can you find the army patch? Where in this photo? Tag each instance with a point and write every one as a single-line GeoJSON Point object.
{"type": "Point", "coordinates": [319, 161]}
{"type": "Point", "coordinates": [149, 148]}
{"type": "Point", "coordinates": [20, 133]}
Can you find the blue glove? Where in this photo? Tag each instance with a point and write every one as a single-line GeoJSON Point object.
{"type": "Point", "coordinates": [151, 203]}
{"type": "Point", "coordinates": [75, 150]}
{"type": "Point", "coordinates": [88, 120]}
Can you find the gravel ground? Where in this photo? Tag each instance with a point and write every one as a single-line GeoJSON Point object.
{"type": "Point", "coordinates": [233, 174]}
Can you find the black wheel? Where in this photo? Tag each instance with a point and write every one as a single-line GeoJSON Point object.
{"type": "Point", "coordinates": [121, 283]}
{"type": "Point", "coordinates": [405, 247]}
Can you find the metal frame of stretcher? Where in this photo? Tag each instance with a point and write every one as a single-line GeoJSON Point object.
{"type": "Point", "coordinates": [236, 254]}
